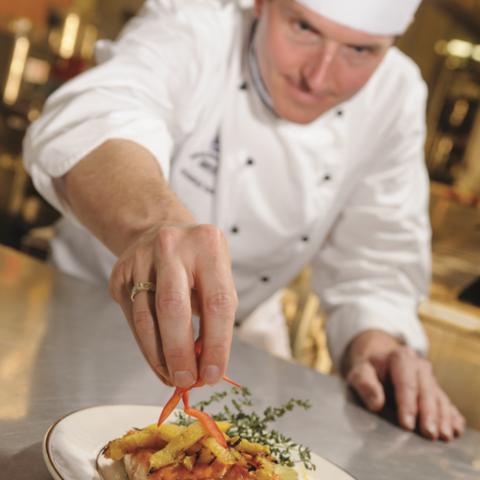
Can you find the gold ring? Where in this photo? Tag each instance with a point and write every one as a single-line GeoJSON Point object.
{"type": "Point", "coordinates": [146, 286]}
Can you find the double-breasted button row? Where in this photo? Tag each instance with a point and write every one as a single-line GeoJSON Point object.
{"type": "Point", "coordinates": [250, 161]}
{"type": "Point", "coordinates": [235, 229]}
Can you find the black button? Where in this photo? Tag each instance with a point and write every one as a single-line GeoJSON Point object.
{"type": "Point", "coordinates": [237, 323]}
{"type": "Point", "coordinates": [243, 86]}
{"type": "Point", "coordinates": [327, 177]}
{"type": "Point", "coordinates": [265, 279]}
{"type": "Point", "coordinates": [234, 229]}
{"type": "Point", "coordinates": [339, 113]}
{"type": "Point", "coordinates": [305, 239]}
{"type": "Point", "coordinates": [250, 161]}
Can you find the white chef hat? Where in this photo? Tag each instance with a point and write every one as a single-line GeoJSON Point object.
{"type": "Point", "coordinates": [377, 17]}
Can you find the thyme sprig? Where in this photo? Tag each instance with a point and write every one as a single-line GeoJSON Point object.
{"type": "Point", "coordinates": [253, 427]}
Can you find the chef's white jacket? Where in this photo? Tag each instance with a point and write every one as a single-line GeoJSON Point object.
{"type": "Point", "coordinates": [347, 193]}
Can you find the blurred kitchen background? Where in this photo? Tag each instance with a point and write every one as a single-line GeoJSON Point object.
{"type": "Point", "coordinates": [44, 43]}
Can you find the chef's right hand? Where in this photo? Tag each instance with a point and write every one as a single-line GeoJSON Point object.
{"type": "Point", "coordinates": [191, 267]}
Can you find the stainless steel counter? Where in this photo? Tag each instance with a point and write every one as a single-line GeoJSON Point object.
{"type": "Point", "coordinates": [64, 345]}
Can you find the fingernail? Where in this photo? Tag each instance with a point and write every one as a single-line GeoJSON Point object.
{"type": "Point", "coordinates": [447, 431]}
{"type": "Point", "coordinates": [211, 374]}
{"type": "Point", "coordinates": [371, 401]}
{"type": "Point", "coordinates": [431, 428]}
{"type": "Point", "coordinates": [458, 429]}
{"type": "Point", "coordinates": [183, 379]}
{"type": "Point", "coordinates": [409, 421]}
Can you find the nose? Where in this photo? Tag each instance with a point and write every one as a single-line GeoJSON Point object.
{"type": "Point", "coordinates": [319, 71]}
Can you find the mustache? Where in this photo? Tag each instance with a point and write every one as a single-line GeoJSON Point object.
{"type": "Point", "coordinates": [302, 83]}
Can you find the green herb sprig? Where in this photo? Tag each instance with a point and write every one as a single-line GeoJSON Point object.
{"type": "Point", "coordinates": [253, 427]}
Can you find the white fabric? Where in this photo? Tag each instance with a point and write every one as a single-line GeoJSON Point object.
{"type": "Point", "coordinates": [347, 192]}
{"type": "Point", "coordinates": [266, 328]}
{"type": "Point", "coordinates": [377, 17]}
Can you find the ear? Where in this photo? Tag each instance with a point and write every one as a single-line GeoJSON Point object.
{"type": "Point", "coordinates": [258, 7]}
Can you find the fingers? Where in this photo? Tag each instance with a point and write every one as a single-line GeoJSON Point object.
{"type": "Point", "coordinates": [174, 321]}
{"type": "Point", "coordinates": [218, 302]}
{"type": "Point", "coordinates": [191, 267]}
{"type": "Point", "coordinates": [439, 418]}
{"type": "Point", "coordinates": [127, 310]}
{"type": "Point", "coordinates": [364, 380]}
{"type": "Point", "coordinates": [417, 392]}
{"type": "Point", "coordinates": [458, 421]}
{"type": "Point", "coordinates": [427, 401]}
{"type": "Point", "coordinates": [403, 374]}
{"type": "Point", "coordinates": [140, 315]}
{"type": "Point", "coordinates": [195, 275]}
{"type": "Point", "coordinates": [444, 416]}
{"type": "Point", "coordinates": [145, 326]}
{"type": "Point", "coordinates": [451, 421]}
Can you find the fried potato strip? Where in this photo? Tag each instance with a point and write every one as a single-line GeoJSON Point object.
{"type": "Point", "coordinates": [223, 455]}
{"type": "Point", "coordinates": [150, 437]}
{"type": "Point", "coordinates": [180, 443]}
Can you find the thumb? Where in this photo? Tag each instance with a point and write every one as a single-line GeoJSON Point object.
{"type": "Point", "coordinates": [364, 380]}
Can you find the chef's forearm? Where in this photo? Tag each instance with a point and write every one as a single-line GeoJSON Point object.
{"type": "Point", "coordinates": [118, 192]}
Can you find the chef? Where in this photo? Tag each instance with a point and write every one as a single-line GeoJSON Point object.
{"type": "Point", "coordinates": [215, 151]}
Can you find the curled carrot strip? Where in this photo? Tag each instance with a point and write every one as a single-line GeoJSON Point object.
{"type": "Point", "coordinates": [175, 399]}
{"type": "Point", "coordinates": [232, 382]}
{"type": "Point", "coordinates": [171, 404]}
{"type": "Point", "coordinates": [180, 393]}
{"type": "Point", "coordinates": [206, 420]}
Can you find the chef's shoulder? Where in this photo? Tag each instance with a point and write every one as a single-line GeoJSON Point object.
{"type": "Point", "coordinates": [177, 31]}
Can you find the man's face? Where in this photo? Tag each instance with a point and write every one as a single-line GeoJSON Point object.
{"type": "Point", "coordinates": [310, 64]}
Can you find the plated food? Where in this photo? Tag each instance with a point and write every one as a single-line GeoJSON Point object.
{"type": "Point", "coordinates": [190, 453]}
{"type": "Point", "coordinates": [72, 446]}
{"type": "Point", "coordinates": [233, 445]}
{"type": "Point", "coordinates": [194, 451]}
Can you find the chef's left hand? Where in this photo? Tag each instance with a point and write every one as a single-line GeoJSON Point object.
{"type": "Point", "coordinates": [375, 358]}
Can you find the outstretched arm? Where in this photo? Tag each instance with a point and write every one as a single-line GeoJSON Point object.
{"type": "Point", "coordinates": [118, 192]}
{"type": "Point", "coordinates": [101, 154]}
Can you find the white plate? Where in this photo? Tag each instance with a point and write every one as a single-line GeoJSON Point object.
{"type": "Point", "coordinates": [73, 443]}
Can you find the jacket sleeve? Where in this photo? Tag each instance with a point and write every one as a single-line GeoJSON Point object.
{"type": "Point", "coordinates": [374, 269]}
{"type": "Point", "coordinates": [147, 89]}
